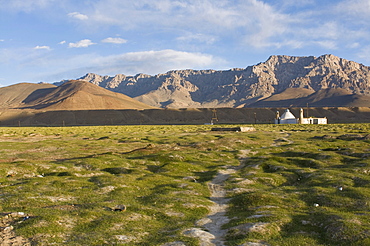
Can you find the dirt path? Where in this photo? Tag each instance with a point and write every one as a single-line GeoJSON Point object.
{"type": "Point", "coordinates": [217, 217]}
{"type": "Point", "coordinates": [214, 235]}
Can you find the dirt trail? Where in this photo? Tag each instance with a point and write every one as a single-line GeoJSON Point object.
{"type": "Point", "coordinates": [217, 216]}
{"type": "Point", "coordinates": [213, 235]}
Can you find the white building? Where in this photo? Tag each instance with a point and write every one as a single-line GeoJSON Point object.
{"type": "Point", "coordinates": [286, 118]}
{"type": "Point", "coordinates": [289, 118]}
{"type": "Point", "coordinates": [311, 120]}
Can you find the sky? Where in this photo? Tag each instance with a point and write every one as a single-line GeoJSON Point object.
{"type": "Point", "coordinates": [54, 40]}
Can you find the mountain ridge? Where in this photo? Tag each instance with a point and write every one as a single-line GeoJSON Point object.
{"type": "Point", "coordinates": [244, 87]}
{"type": "Point", "coordinates": [72, 95]}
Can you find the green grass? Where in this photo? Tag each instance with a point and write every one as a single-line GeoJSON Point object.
{"type": "Point", "coordinates": [70, 179]}
{"type": "Point", "coordinates": [291, 178]}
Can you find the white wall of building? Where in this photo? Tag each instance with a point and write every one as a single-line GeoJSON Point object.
{"type": "Point", "coordinates": [286, 121]}
{"type": "Point", "coordinates": [314, 121]}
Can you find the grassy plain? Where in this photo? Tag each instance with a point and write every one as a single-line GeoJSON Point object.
{"type": "Point", "coordinates": [297, 185]}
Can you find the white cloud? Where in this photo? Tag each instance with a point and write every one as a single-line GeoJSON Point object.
{"type": "Point", "coordinates": [353, 45]}
{"type": "Point", "coordinates": [199, 37]}
{"type": "Point", "coordinates": [323, 34]}
{"type": "Point", "coordinates": [149, 62]}
{"type": "Point", "coordinates": [27, 6]}
{"type": "Point", "coordinates": [54, 67]}
{"type": "Point", "coordinates": [323, 26]}
{"type": "Point", "coordinates": [285, 4]}
{"type": "Point", "coordinates": [78, 16]}
{"type": "Point", "coordinates": [81, 44]}
{"type": "Point", "coordinates": [159, 13]}
{"type": "Point", "coordinates": [251, 20]}
{"type": "Point", "coordinates": [152, 62]}
{"type": "Point", "coordinates": [248, 24]}
{"type": "Point", "coordinates": [264, 26]}
{"type": "Point", "coordinates": [254, 21]}
{"type": "Point", "coordinates": [356, 8]}
{"type": "Point", "coordinates": [42, 47]}
{"type": "Point", "coordinates": [114, 40]}
{"type": "Point", "coordinates": [354, 17]}
{"type": "Point", "coordinates": [364, 53]}
{"type": "Point", "coordinates": [62, 42]}
{"type": "Point", "coordinates": [169, 58]}
{"type": "Point", "coordinates": [327, 44]}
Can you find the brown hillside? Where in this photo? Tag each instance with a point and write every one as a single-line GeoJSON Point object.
{"type": "Point", "coordinates": [335, 97]}
{"type": "Point", "coordinates": [73, 95]}
{"type": "Point", "coordinates": [288, 98]}
{"type": "Point", "coordinates": [14, 95]}
{"type": "Point", "coordinates": [332, 93]}
{"type": "Point", "coordinates": [299, 97]}
{"type": "Point", "coordinates": [291, 93]}
{"type": "Point", "coordinates": [81, 95]}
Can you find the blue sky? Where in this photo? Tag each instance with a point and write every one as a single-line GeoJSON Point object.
{"type": "Point", "coordinates": [52, 40]}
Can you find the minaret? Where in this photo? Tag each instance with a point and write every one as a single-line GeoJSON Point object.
{"type": "Point", "coordinates": [277, 119]}
{"type": "Point", "coordinates": [301, 116]}
{"type": "Point", "coordinates": [214, 116]}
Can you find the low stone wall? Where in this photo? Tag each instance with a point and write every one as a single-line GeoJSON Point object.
{"type": "Point", "coordinates": [234, 129]}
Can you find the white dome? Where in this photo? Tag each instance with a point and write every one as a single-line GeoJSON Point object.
{"type": "Point", "coordinates": [287, 115]}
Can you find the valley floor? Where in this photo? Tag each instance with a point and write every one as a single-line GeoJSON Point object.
{"type": "Point", "coordinates": [17, 117]}
{"type": "Point", "coordinates": [170, 185]}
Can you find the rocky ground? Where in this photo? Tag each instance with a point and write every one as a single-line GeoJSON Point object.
{"type": "Point", "coordinates": [7, 234]}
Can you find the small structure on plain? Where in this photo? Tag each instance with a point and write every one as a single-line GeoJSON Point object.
{"type": "Point", "coordinates": [235, 129]}
{"type": "Point", "coordinates": [288, 118]}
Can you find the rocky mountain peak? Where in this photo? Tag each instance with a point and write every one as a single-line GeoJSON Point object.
{"type": "Point", "coordinates": [241, 87]}
{"type": "Point", "coordinates": [92, 78]}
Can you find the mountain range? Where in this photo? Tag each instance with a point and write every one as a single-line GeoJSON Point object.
{"type": "Point", "coordinates": [281, 81]}
{"type": "Point", "coordinates": [332, 87]}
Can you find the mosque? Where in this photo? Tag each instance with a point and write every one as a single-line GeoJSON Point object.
{"type": "Point", "coordinates": [288, 118]}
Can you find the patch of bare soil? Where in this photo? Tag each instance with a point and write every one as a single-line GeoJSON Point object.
{"type": "Point", "coordinates": [282, 140]}
{"type": "Point", "coordinates": [7, 234]}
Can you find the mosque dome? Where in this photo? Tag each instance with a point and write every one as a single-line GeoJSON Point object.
{"type": "Point", "coordinates": [287, 115]}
